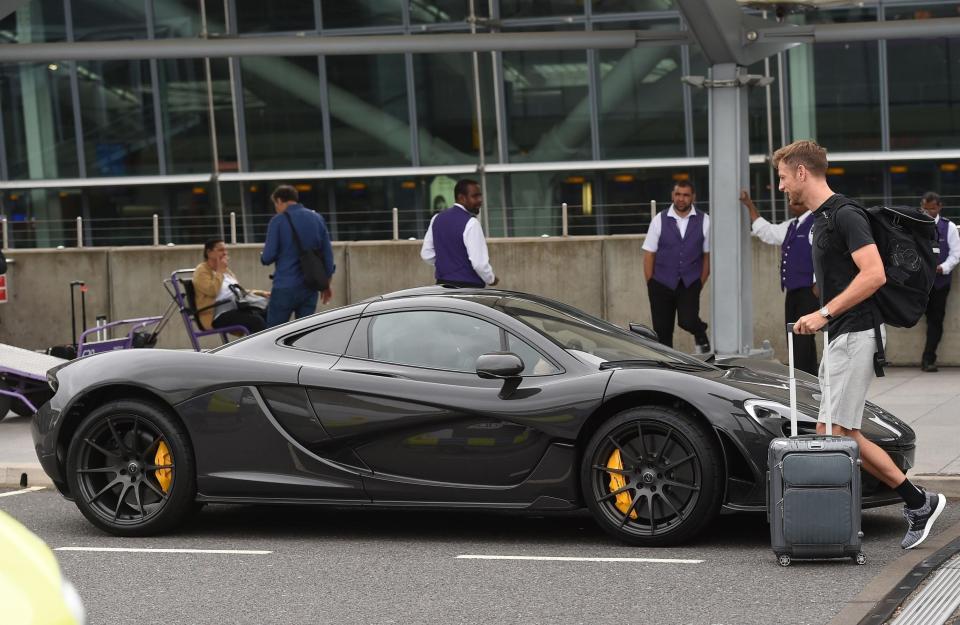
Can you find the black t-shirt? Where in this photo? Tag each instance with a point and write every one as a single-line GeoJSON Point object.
{"type": "Point", "coordinates": [838, 230]}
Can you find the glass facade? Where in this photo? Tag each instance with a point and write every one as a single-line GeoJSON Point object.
{"type": "Point", "coordinates": [363, 134]}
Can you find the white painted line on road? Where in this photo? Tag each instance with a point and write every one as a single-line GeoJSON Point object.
{"type": "Point", "coordinates": [243, 552]}
{"type": "Point", "coordinates": [20, 492]}
{"type": "Point", "coordinates": [579, 559]}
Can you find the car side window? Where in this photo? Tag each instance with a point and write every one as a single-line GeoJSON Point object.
{"type": "Point", "coordinates": [534, 363]}
{"type": "Point", "coordinates": [329, 339]}
{"type": "Point", "coordinates": [430, 338]}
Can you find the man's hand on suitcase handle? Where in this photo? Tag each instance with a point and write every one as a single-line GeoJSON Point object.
{"type": "Point", "coordinates": [810, 324]}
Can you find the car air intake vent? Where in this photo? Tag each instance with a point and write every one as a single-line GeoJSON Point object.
{"type": "Point", "coordinates": [803, 427]}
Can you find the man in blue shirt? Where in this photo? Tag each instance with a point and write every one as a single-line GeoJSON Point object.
{"type": "Point", "coordinates": [290, 294]}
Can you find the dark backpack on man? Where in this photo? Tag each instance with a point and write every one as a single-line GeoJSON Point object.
{"type": "Point", "coordinates": [311, 263]}
{"type": "Point", "coordinates": [906, 238]}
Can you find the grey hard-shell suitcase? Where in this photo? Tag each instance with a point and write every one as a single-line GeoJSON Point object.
{"type": "Point", "coordinates": [813, 488]}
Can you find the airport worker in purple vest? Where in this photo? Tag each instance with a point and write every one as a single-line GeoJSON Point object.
{"type": "Point", "coordinates": [454, 243]}
{"type": "Point", "coordinates": [796, 272]}
{"type": "Point", "coordinates": [949, 244]}
{"type": "Point", "coordinates": [676, 265]}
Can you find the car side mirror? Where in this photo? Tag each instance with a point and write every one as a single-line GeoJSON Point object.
{"type": "Point", "coordinates": [644, 331]}
{"type": "Point", "coordinates": [499, 365]}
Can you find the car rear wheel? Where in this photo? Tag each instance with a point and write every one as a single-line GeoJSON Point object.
{"type": "Point", "coordinates": [131, 469]}
{"type": "Point", "coordinates": [652, 476]}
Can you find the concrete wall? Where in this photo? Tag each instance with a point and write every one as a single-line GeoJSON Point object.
{"type": "Point", "coordinates": [601, 275]}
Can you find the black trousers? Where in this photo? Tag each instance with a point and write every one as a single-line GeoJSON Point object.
{"type": "Point", "coordinates": [800, 302]}
{"type": "Point", "coordinates": [682, 304]}
{"type": "Point", "coordinates": [251, 320]}
{"type": "Point", "coordinates": [936, 310]}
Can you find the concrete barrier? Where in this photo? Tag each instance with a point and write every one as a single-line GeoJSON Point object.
{"type": "Point", "coordinates": [601, 275]}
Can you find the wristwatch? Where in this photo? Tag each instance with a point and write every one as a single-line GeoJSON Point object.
{"type": "Point", "coordinates": [825, 312]}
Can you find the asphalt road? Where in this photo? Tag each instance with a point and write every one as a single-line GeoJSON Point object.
{"type": "Point", "coordinates": [375, 567]}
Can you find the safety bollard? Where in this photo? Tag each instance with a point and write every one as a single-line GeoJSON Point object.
{"type": "Point", "coordinates": [79, 231]}
{"type": "Point", "coordinates": [156, 230]}
{"type": "Point", "coordinates": [233, 228]}
{"type": "Point", "coordinates": [396, 224]}
{"type": "Point", "coordinates": [563, 218]}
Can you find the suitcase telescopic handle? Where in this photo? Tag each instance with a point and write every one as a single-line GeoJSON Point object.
{"type": "Point", "coordinates": [825, 383]}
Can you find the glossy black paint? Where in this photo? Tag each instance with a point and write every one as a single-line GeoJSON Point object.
{"type": "Point", "coordinates": [271, 420]}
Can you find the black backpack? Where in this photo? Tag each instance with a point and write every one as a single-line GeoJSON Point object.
{"type": "Point", "coordinates": [906, 238]}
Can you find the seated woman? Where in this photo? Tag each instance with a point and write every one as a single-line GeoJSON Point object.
{"type": "Point", "coordinates": [214, 300]}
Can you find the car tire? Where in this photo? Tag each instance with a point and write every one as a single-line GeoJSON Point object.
{"type": "Point", "coordinates": [665, 491]}
{"type": "Point", "coordinates": [115, 473]}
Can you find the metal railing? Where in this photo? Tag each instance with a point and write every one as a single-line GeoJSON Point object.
{"type": "Point", "coordinates": [564, 220]}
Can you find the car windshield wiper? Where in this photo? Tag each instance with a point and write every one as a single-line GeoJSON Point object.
{"type": "Point", "coordinates": [668, 364]}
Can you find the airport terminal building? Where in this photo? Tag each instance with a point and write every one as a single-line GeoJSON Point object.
{"type": "Point", "coordinates": [606, 131]}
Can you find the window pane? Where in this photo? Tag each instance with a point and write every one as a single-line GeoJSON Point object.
{"type": "Point", "coordinates": [541, 8]}
{"type": "Point", "coordinates": [627, 6]}
{"type": "Point", "coordinates": [181, 18]}
{"type": "Point", "coordinates": [432, 339]}
{"type": "Point", "coordinates": [340, 14]}
{"type": "Point", "coordinates": [641, 99]}
{"type": "Point", "coordinates": [186, 119]}
{"type": "Point", "coordinates": [369, 122]}
{"type": "Point", "coordinates": [548, 106]}
{"type": "Point", "coordinates": [437, 11]}
{"type": "Point", "coordinates": [847, 96]}
{"type": "Point", "coordinates": [37, 21]}
{"type": "Point", "coordinates": [39, 133]}
{"type": "Point", "coordinates": [534, 363]}
{"type": "Point", "coordinates": [282, 106]}
{"type": "Point", "coordinates": [108, 20]}
{"type": "Point", "coordinates": [254, 16]}
{"type": "Point", "coordinates": [924, 80]}
{"type": "Point", "coordinates": [116, 103]}
{"type": "Point", "coordinates": [445, 108]}
{"type": "Point", "coordinates": [331, 339]}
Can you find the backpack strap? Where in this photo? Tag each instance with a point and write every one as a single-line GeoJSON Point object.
{"type": "Point", "coordinates": [879, 356]}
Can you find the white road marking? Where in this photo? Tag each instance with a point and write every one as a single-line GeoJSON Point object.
{"type": "Point", "coordinates": [20, 492]}
{"type": "Point", "coordinates": [244, 552]}
{"type": "Point", "coordinates": [579, 559]}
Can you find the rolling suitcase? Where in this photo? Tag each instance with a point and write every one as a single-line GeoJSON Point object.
{"type": "Point", "coordinates": [813, 488]}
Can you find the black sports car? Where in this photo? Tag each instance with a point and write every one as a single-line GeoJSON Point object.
{"type": "Point", "coordinates": [430, 398]}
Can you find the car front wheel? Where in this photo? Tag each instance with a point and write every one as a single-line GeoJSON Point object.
{"type": "Point", "coordinates": [652, 476]}
{"type": "Point", "coordinates": [131, 469]}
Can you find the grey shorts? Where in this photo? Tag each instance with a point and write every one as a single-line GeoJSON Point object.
{"type": "Point", "coordinates": [851, 371]}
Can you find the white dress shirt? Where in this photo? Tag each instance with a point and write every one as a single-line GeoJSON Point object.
{"type": "Point", "coordinates": [652, 240]}
{"type": "Point", "coordinates": [953, 241]}
{"type": "Point", "coordinates": [473, 240]}
{"type": "Point", "coordinates": [775, 234]}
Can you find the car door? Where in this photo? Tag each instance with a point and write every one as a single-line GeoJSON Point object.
{"type": "Point", "coordinates": [407, 398]}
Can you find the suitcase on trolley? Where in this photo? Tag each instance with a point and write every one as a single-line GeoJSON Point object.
{"type": "Point", "coordinates": [813, 488]}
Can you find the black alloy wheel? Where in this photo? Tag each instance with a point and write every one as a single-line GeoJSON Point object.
{"type": "Point", "coordinates": [652, 476]}
{"type": "Point", "coordinates": [131, 469]}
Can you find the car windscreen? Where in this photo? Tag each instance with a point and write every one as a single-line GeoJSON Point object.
{"type": "Point", "coordinates": [590, 339]}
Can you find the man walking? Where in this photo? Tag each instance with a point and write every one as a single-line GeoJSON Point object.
{"type": "Point", "coordinates": [849, 270]}
{"type": "Point", "coordinates": [676, 265]}
{"type": "Point", "coordinates": [796, 271]}
{"type": "Point", "coordinates": [454, 243]}
{"type": "Point", "coordinates": [290, 294]}
{"type": "Point", "coordinates": [949, 244]}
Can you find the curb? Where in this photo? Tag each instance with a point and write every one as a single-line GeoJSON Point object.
{"type": "Point", "coordinates": [949, 485]}
{"type": "Point", "coordinates": [12, 475]}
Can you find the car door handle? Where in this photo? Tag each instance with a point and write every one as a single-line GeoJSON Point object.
{"type": "Point", "coordinates": [382, 374]}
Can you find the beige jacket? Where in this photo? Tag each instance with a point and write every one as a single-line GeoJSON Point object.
{"type": "Point", "coordinates": [206, 286]}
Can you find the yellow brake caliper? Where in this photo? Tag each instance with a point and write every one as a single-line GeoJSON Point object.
{"type": "Point", "coordinates": [617, 482]}
{"type": "Point", "coordinates": [162, 458]}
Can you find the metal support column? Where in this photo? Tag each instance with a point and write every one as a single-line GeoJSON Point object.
{"type": "Point", "coordinates": [732, 289]}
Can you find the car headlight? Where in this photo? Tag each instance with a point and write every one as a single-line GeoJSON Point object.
{"type": "Point", "coordinates": [769, 413]}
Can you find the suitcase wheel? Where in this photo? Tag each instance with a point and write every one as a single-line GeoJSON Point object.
{"type": "Point", "coordinates": [784, 560]}
{"type": "Point", "coordinates": [860, 558]}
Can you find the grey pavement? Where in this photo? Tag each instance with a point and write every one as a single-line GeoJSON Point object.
{"type": "Point", "coordinates": [929, 402]}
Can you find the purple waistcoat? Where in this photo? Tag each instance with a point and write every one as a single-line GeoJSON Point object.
{"type": "Point", "coordinates": [679, 259]}
{"type": "Point", "coordinates": [796, 260]}
{"type": "Point", "coordinates": [942, 281]}
{"type": "Point", "coordinates": [452, 262]}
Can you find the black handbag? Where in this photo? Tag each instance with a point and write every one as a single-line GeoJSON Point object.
{"type": "Point", "coordinates": [247, 300]}
{"type": "Point", "coordinates": [311, 263]}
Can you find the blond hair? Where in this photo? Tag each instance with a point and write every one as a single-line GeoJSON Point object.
{"type": "Point", "coordinates": [806, 153]}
